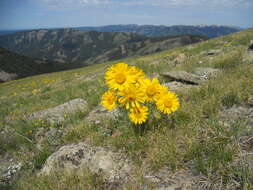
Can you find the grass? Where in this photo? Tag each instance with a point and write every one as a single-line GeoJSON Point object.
{"type": "Point", "coordinates": [192, 137]}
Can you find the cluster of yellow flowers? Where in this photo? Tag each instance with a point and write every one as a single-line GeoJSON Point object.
{"type": "Point", "coordinates": [35, 91]}
{"type": "Point", "coordinates": [129, 87]}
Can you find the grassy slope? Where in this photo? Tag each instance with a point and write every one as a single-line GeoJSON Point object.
{"type": "Point", "coordinates": [193, 138]}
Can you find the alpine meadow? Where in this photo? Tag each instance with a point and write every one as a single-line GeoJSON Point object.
{"type": "Point", "coordinates": [91, 102]}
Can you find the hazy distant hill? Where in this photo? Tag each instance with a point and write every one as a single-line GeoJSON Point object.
{"type": "Point", "coordinates": [152, 30]}
{"type": "Point", "coordinates": [88, 47]}
{"type": "Point", "coordinates": [22, 66]}
{"type": "Point", "coordinates": [8, 32]}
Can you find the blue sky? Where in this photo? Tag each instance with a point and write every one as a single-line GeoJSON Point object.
{"type": "Point", "coordinates": [27, 14]}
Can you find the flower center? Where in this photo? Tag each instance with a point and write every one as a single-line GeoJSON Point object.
{"type": "Point", "coordinates": [151, 91]}
{"type": "Point", "coordinates": [120, 78]}
{"type": "Point", "coordinates": [137, 112]}
{"type": "Point", "coordinates": [167, 103]}
{"type": "Point", "coordinates": [110, 100]}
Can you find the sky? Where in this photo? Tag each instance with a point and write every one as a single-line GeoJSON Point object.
{"type": "Point", "coordinates": [30, 14]}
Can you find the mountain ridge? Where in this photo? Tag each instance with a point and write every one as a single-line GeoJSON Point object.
{"type": "Point", "coordinates": [80, 48]}
{"type": "Point", "coordinates": [15, 66]}
{"type": "Point", "coordinates": [162, 30]}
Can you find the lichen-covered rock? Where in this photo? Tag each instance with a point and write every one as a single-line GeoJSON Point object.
{"type": "Point", "coordinates": [235, 113]}
{"type": "Point", "coordinates": [58, 114]}
{"type": "Point", "coordinates": [51, 135]}
{"type": "Point", "coordinates": [206, 72]}
{"type": "Point", "coordinates": [114, 166]}
{"type": "Point", "coordinates": [8, 168]}
{"type": "Point", "coordinates": [184, 77]}
{"type": "Point", "coordinates": [178, 86]}
{"type": "Point", "coordinates": [165, 179]}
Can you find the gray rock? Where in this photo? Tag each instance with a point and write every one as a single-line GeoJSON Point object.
{"type": "Point", "coordinates": [178, 86]}
{"type": "Point", "coordinates": [4, 76]}
{"type": "Point", "coordinates": [250, 45]}
{"type": "Point", "coordinates": [235, 113]}
{"type": "Point", "coordinates": [114, 166]}
{"type": "Point", "coordinates": [155, 63]}
{"type": "Point", "coordinates": [200, 62]}
{"type": "Point", "coordinates": [56, 115]}
{"type": "Point", "coordinates": [206, 72]}
{"type": "Point", "coordinates": [100, 114]}
{"type": "Point", "coordinates": [167, 180]}
{"type": "Point", "coordinates": [8, 169]}
{"type": "Point", "coordinates": [52, 135]}
{"type": "Point", "coordinates": [181, 58]}
{"type": "Point", "coordinates": [248, 56]}
{"type": "Point", "coordinates": [213, 52]}
{"type": "Point", "coordinates": [184, 77]}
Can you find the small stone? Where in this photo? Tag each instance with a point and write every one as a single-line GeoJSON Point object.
{"type": "Point", "coordinates": [97, 122]}
{"type": "Point", "coordinates": [214, 52]}
{"type": "Point", "coordinates": [9, 173]}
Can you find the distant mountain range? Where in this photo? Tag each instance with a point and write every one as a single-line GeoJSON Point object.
{"type": "Point", "coordinates": [155, 31]}
{"type": "Point", "coordinates": [78, 48]}
{"type": "Point", "coordinates": [14, 66]}
{"type": "Point", "coordinates": [51, 50]}
{"type": "Point", "coordinates": [7, 32]}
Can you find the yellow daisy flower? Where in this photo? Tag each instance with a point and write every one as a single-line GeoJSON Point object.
{"type": "Point", "coordinates": [136, 73]}
{"type": "Point", "coordinates": [161, 90]}
{"type": "Point", "coordinates": [138, 115]}
{"type": "Point", "coordinates": [131, 95]}
{"type": "Point", "coordinates": [109, 100]}
{"type": "Point", "coordinates": [118, 76]}
{"type": "Point", "coordinates": [168, 103]}
{"type": "Point", "coordinates": [151, 88]}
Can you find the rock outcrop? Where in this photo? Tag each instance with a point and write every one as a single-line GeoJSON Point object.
{"type": "Point", "coordinates": [114, 166]}
{"type": "Point", "coordinates": [57, 115]}
{"type": "Point", "coordinates": [235, 113]}
{"type": "Point", "coordinates": [4, 76]}
{"type": "Point", "coordinates": [183, 77]}
{"type": "Point", "coordinates": [206, 72]}
{"type": "Point", "coordinates": [178, 86]}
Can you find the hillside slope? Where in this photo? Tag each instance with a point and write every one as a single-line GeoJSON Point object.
{"type": "Point", "coordinates": [23, 66]}
{"type": "Point", "coordinates": [86, 48]}
{"type": "Point", "coordinates": [52, 125]}
{"type": "Point", "coordinates": [158, 31]}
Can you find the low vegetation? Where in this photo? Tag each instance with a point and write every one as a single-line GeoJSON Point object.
{"type": "Point", "coordinates": [193, 138]}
